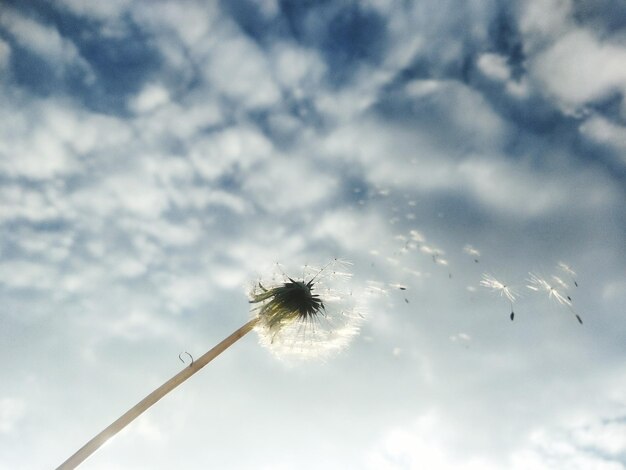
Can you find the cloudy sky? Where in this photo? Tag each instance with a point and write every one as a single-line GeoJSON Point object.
{"type": "Point", "coordinates": [156, 158]}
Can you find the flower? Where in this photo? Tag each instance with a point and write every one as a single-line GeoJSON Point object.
{"type": "Point", "coordinates": [311, 316]}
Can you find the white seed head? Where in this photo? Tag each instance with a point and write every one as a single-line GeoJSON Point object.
{"type": "Point", "coordinates": [308, 317]}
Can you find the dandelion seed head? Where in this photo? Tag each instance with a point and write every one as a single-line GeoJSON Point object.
{"type": "Point", "coordinates": [499, 287]}
{"type": "Point", "coordinates": [306, 317]}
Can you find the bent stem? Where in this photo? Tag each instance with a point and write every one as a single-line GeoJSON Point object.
{"type": "Point", "coordinates": [119, 424]}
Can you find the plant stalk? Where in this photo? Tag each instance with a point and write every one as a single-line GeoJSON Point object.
{"type": "Point", "coordinates": [119, 424]}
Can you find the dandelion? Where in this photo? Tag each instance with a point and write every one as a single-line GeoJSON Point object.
{"type": "Point", "coordinates": [540, 284]}
{"type": "Point", "coordinates": [501, 288]}
{"type": "Point", "coordinates": [307, 316]}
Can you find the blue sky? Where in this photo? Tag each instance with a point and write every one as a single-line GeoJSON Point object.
{"type": "Point", "coordinates": [156, 158]}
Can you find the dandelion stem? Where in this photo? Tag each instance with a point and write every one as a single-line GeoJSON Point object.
{"type": "Point", "coordinates": [153, 397]}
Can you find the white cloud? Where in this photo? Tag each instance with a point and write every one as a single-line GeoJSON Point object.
{"type": "Point", "coordinates": [137, 193]}
{"type": "Point", "coordinates": [5, 54]}
{"type": "Point", "coordinates": [603, 131]}
{"type": "Point", "coordinates": [422, 445]}
{"type": "Point", "coordinates": [44, 41]}
{"type": "Point", "coordinates": [192, 22]}
{"type": "Point", "coordinates": [232, 63]}
{"type": "Point", "coordinates": [614, 290]}
{"type": "Point", "coordinates": [108, 10]}
{"type": "Point", "coordinates": [43, 155]}
{"type": "Point", "coordinates": [237, 147]}
{"type": "Point", "coordinates": [42, 139]}
{"type": "Point", "coordinates": [494, 66]}
{"type": "Point", "coordinates": [345, 227]}
{"type": "Point", "coordinates": [185, 291]}
{"type": "Point", "coordinates": [241, 71]}
{"type": "Point", "coordinates": [116, 225]}
{"type": "Point", "coordinates": [179, 120]}
{"type": "Point", "coordinates": [289, 183]}
{"type": "Point", "coordinates": [511, 189]}
{"type": "Point", "coordinates": [579, 68]}
{"type": "Point", "coordinates": [541, 21]}
{"type": "Point", "coordinates": [429, 443]}
{"type": "Point", "coordinates": [23, 274]}
{"type": "Point", "coordinates": [137, 325]}
{"type": "Point", "coordinates": [421, 88]}
{"type": "Point", "coordinates": [32, 204]}
{"type": "Point", "coordinates": [297, 67]}
{"type": "Point", "coordinates": [149, 98]}
{"type": "Point", "coordinates": [608, 438]}
{"type": "Point", "coordinates": [11, 412]}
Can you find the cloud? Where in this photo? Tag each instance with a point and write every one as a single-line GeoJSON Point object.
{"type": "Point", "coordinates": [5, 54]}
{"type": "Point", "coordinates": [579, 68]}
{"type": "Point", "coordinates": [606, 132]}
{"type": "Point", "coordinates": [429, 443]}
{"type": "Point", "coordinates": [45, 138]}
{"type": "Point", "coordinates": [297, 67]}
{"type": "Point", "coordinates": [287, 184]}
{"type": "Point", "coordinates": [236, 148]}
{"type": "Point", "coordinates": [11, 412]}
{"type": "Point", "coordinates": [607, 437]}
{"type": "Point", "coordinates": [44, 41]}
{"type": "Point", "coordinates": [102, 11]}
{"type": "Point", "coordinates": [501, 184]}
{"type": "Point", "coordinates": [241, 71]}
{"type": "Point", "coordinates": [494, 66]}
{"type": "Point", "coordinates": [242, 136]}
{"type": "Point", "coordinates": [151, 97]}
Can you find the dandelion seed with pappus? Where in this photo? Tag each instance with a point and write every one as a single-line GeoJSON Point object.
{"type": "Point", "coordinates": [569, 271]}
{"type": "Point", "coordinates": [501, 288]}
{"type": "Point", "coordinates": [473, 252]}
{"type": "Point", "coordinates": [540, 284]}
{"type": "Point", "coordinates": [308, 317]}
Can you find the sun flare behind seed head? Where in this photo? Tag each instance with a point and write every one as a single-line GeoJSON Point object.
{"type": "Point", "coordinates": [307, 317]}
